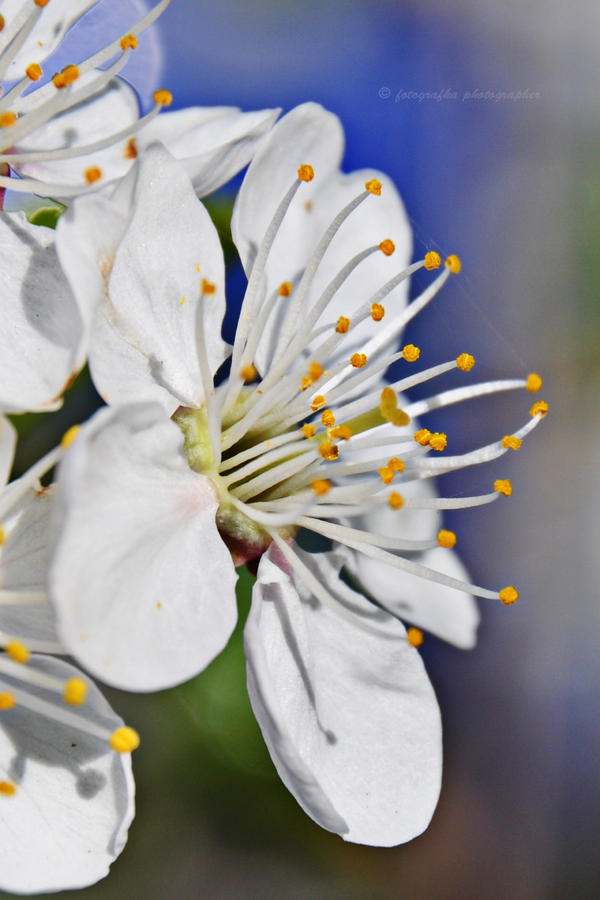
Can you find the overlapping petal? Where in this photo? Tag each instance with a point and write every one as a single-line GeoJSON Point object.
{"type": "Point", "coordinates": [8, 440]}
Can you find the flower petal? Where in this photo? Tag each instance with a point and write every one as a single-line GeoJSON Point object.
{"type": "Point", "coordinates": [349, 716]}
{"type": "Point", "coordinates": [8, 442]}
{"type": "Point", "coordinates": [73, 801]}
{"type": "Point", "coordinates": [213, 142]}
{"type": "Point", "coordinates": [142, 583]}
{"type": "Point", "coordinates": [41, 343]}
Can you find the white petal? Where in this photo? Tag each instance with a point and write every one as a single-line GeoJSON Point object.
{"type": "Point", "coordinates": [47, 34]}
{"type": "Point", "coordinates": [74, 799]}
{"type": "Point", "coordinates": [42, 330]}
{"type": "Point", "coordinates": [142, 583]}
{"type": "Point", "coordinates": [8, 442]}
{"type": "Point", "coordinates": [349, 717]}
{"type": "Point", "coordinates": [213, 142]}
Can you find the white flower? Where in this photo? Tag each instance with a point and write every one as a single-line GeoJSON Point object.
{"type": "Point", "coordinates": [66, 786]}
{"type": "Point", "coordinates": [302, 434]}
{"type": "Point", "coordinates": [82, 129]}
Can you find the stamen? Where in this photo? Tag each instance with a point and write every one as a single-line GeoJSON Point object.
{"type": "Point", "coordinates": [163, 97]}
{"type": "Point", "coordinates": [34, 71]}
{"type": "Point", "coordinates": [411, 353]}
{"type": "Point", "coordinates": [503, 486]}
{"type": "Point", "coordinates": [377, 312]}
{"type": "Point", "coordinates": [453, 263]}
{"type": "Point", "coordinates": [540, 408]}
{"type": "Point", "coordinates": [387, 247]}
{"type": "Point", "coordinates": [510, 441]}
{"type": "Point", "coordinates": [7, 701]}
{"type": "Point", "coordinates": [465, 362]}
{"type": "Point", "coordinates": [534, 383]}
{"type": "Point", "coordinates": [93, 174]}
{"type": "Point", "coordinates": [438, 441]}
{"type": "Point", "coordinates": [75, 692]}
{"type": "Point", "coordinates": [446, 538]}
{"type": "Point", "coordinates": [342, 325]}
{"type": "Point", "coordinates": [128, 42]}
{"type": "Point", "coordinates": [68, 76]}
{"type": "Point", "coordinates": [509, 595]}
{"type": "Point", "coordinates": [358, 360]}
{"type": "Point", "coordinates": [433, 260]}
{"type": "Point", "coordinates": [321, 486]}
{"type": "Point", "coordinates": [415, 637]}
{"type": "Point", "coordinates": [18, 652]}
{"type": "Point", "coordinates": [396, 500]}
{"type": "Point", "coordinates": [124, 740]}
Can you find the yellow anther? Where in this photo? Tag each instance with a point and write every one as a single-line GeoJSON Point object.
{"type": "Point", "coordinates": [511, 442]}
{"type": "Point", "coordinates": [327, 418]}
{"type": "Point", "coordinates": [315, 370]}
{"type": "Point", "coordinates": [396, 500]}
{"type": "Point", "coordinates": [34, 71]}
{"type": "Point", "coordinates": [41, 3]}
{"type": "Point", "coordinates": [373, 186]}
{"type": "Point", "coordinates": [249, 373]}
{"type": "Point", "coordinates": [208, 287]}
{"type": "Point", "coordinates": [182, 301]}
{"type": "Point", "coordinates": [308, 431]}
{"type": "Point", "coordinates": [534, 383]}
{"type": "Point", "coordinates": [540, 408]}
{"type": "Point", "coordinates": [387, 247]}
{"type": "Point", "coordinates": [388, 407]}
{"type": "Point", "coordinates": [124, 739]}
{"type": "Point", "coordinates": [377, 312]}
{"type": "Point", "coordinates": [422, 436]}
{"type": "Point", "coordinates": [93, 174]}
{"type": "Point", "coordinates": [7, 789]}
{"type": "Point", "coordinates": [503, 486]}
{"type": "Point", "coordinates": [69, 436]}
{"type": "Point", "coordinates": [386, 474]}
{"type": "Point", "coordinates": [328, 450]}
{"type": "Point", "coordinates": [396, 464]}
{"type": "Point", "coordinates": [453, 263]}
{"type": "Point", "coordinates": [18, 652]}
{"type": "Point", "coordinates": [68, 75]}
{"type": "Point", "coordinates": [306, 173]}
{"type": "Point", "coordinates": [285, 288]}
{"type": "Point", "coordinates": [318, 402]}
{"type": "Point", "coordinates": [321, 486]}
{"type": "Point", "coordinates": [411, 353]}
{"type": "Point", "coordinates": [343, 325]}
{"type": "Point", "coordinates": [129, 42]}
{"type": "Point", "coordinates": [358, 360]}
{"type": "Point", "coordinates": [414, 636]}
{"type": "Point", "coordinates": [341, 432]}
{"type": "Point", "coordinates": [305, 383]}
{"type": "Point", "coordinates": [163, 97]}
{"type": "Point", "coordinates": [446, 538]}
{"type": "Point", "coordinates": [465, 362]}
{"type": "Point", "coordinates": [438, 441]}
{"type": "Point", "coordinates": [7, 119]}
{"type": "Point", "coordinates": [2, 536]}
{"type": "Point", "coordinates": [509, 595]}
{"type": "Point", "coordinates": [75, 692]}
{"type": "Point", "coordinates": [1, 22]}
{"type": "Point", "coordinates": [433, 260]}
{"type": "Point", "coordinates": [7, 701]}
{"type": "Point", "coordinates": [131, 149]}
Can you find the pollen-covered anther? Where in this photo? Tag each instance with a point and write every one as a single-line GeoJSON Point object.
{"type": "Point", "coordinates": [306, 172]}
{"type": "Point", "coordinates": [358, 360]}
{"type": "Point", "coordinates": [503, 486]}
{"type": "Point", "coordinates": [422, 436]}
{"type": "Point", "coordinates": [69, 436]}
{"type": "Point", "coordinates": [387, 247]}
{"type": "Point", "coordinates": [318, 402]}
{"type": "Point", "coordinates": [508, 595]}
{"type": "Point", "coordinates": [2, 22]}
{"type": "Point", "coordinates": [315, 370]}
{"type": "Point", "coordinates": [343, 324]}
{"type": "Point", "coordinates": [539, 408]}
{"type": "Point", "coordinates": [396, 500]}
{"type": "Point", "coordinates": [285, 288]}
{"type": "Point", "coordinates": [433, 260]}
{"type": "Point", "coordinates": [129, 42]}
{"type": "Point", "coordinates": [162, 97]}
{"type": "Point", "coordinates": [415, 637]}
{"type": "Point", "coordinates": [446, 538]}
{"type": "Point", "coordinates": [341, 433]}
{"type": "Point", "coordinates": [131, 149]}
{"type": "Point", "coordinates": [7, 701]}
{"type": "Point", "coordinates": [68, 75]}
{"type": "Point", "coordinates": [438, 441]}
{"type": "Point", "coordinates": [533, 383]}
{"type": "Point", "coordinates": [321, 486]}
{"type": "Point", "coordinates": [373, 187]}
{"type": "Point", "coordinates": [511, 442]}
{"type": "Point", "coordinates": [75, 692]}
{"type": "Point", "coordinates": [93, 174]}
{"type": "Point", "coordinates": [18, 652]}
{"type": "Point", "coordinates": [7, 119]}
{"type": "Point", "coordinates": [465, 362]}
{"type": "Point", "coordinates": [453, 263]}
{"type": "Point", "coordinates": [248, 373]}
{"type": "Point", "coordinates": [377, 312]}
{"type": "Point", "coordinates": [395, 464]}
{"type": "Point", "coordinates": [308, 430]}
{"type": "Point", "coordinates": [329, 450]}
{"type": "Point", "coordinates": [386, 474]}
{"type": "Point", "coordinates": [388, 407]}
{"type": "Point", "coordinates": [208, 287]}
{"type": "Point", "coordinates": [7, 789]}
{"type": "Point", "coordinates": [41, 3]}
{"type": "Point", "coordinates": [124, 739]}
{"type": "Point", "coordinates": [2, 536]}
{"type": "Point", "coordinates": [327, 418]}
{"type": "Point", "coordinates": [411, 353]}
{"type": "Point", "coordinates": [34, 71]}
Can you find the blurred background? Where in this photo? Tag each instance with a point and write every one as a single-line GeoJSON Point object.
{"type": "Point", "coordinates": [486, 116]}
